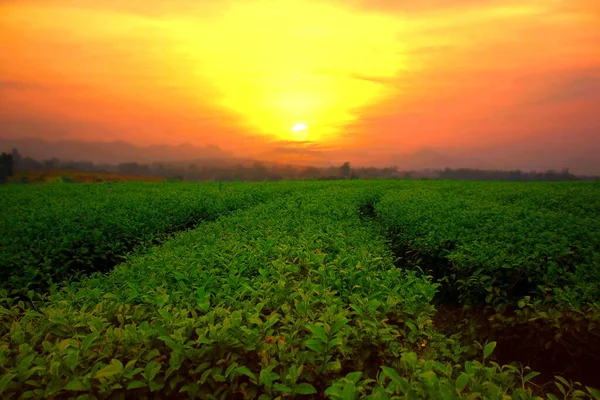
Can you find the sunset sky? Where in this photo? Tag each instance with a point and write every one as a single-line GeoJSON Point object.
{"type": "Point", "coordinates": [365, 81]}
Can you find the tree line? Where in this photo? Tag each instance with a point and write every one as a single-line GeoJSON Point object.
{"type": "Point", "coordinates": [13, 162]}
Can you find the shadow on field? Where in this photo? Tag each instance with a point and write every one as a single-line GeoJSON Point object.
{"type": "Point", "coordinates": [548, 349]}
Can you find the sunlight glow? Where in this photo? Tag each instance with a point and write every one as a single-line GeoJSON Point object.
{"type": "Point", "coordinates": [240, 73]}
{"type": "Point", "coordinates": [300, 132]}
{"type": "Point", "coordinates": [294, 60]}
{"type": "Point", "coordinates": [299, 127]}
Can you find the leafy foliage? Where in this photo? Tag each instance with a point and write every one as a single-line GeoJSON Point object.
{"type": "Point", "coordinates": [496, 243]}
{"type": "Point", "coordinates": [49, 233]}
{"type": "Point", "coordinates": [285, 290]}
{"type": "Point", "coordinates": [525, 258]}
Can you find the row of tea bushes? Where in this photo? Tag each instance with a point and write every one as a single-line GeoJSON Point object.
{"type": "Point", "coordinates": [49, 233]}
{"type": "Point", "coordinates": [499, 242]}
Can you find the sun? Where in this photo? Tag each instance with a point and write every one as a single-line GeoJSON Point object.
{"type": "Point", "coordinates": [299, 132]}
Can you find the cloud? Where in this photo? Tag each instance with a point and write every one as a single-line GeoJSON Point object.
{"type": "Point", "coordinates": [426, 50]}
{"type": "Point", "coordinates": [569, 86]}
{"type": "Point", "coordinates": [412, 6]}
{"type": "Point", "coordinates": [375, 79]}
{"type": "Point", "coordinates": [150, 9]}
{"type": "Point", "coordinates": [299, 147]}
{"type": "Point", "coordinates": [24, 126]}
{"type": "Point", "coordinates": [21, 85]}
{"type": "Point", "coordinates": [298, 150]}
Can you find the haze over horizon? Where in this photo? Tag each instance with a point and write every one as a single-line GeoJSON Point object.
{"type": "Point", "coordinates": [502, 83]}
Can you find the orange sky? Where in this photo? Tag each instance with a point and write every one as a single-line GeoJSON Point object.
{"type": "Point", "coordinates": [370, 79]}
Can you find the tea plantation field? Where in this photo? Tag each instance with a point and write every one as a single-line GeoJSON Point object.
{"type": "Point", "coordinates": [338, 290]}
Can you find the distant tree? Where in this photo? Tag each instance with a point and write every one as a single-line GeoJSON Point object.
{"type": "Point", "coordinates": [52, 163]}
{"type": "Point", "coordinates": [310, 173]}
{"type": "Point", "coordinates": [3, 174]}
{"type": "Point", "coordinates": [345, 170]}
{"type": "Point", "coordinates": [28, 163]}
{"type": "Point", "coordinates": [390, 172]}
{"type": "Point", "coordinates": [129, 168]}
{"type": "Point", "coordinates": [16, 158]}
{"type": "Point", "coordinates": [566, 175]}
{"type": "Point", "coordinates": [6, 166]}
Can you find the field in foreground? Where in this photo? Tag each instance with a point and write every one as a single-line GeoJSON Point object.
{"type": "Point", "coordinates": [379, 289]}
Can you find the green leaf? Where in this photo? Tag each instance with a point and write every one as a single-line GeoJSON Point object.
{"type": "Point", "coordinates": [469, 367]}
{"type": "Point", "coordinates": [334, 366]}
{"type": "Point", "coordinates": [409, 360]}
{"type": "Point", "coordinates": [25, 363]}
{"type": "Point", "coordinates": [271, 321]}
{"type": "Point", "coordinates": [349, 392]}
{"type": "Point", "coordinates": [245, 371]}
{"type": "Point", "coordinates": [176, 359]}
{"type": "Point", "coordinates": [397, 379]}
{"type": "Point", "coordinates": [75, 384]}
{"type": "Point", "coordinates": [173, 345]}
{"type": "Point", "coordinates": [338, 325]}
{"type": "Point", "coordinates": [318, 331]}
{"type": "Point", "coordinates": [411, 326]}
{"type": "Point", "coordinates": [151, 369]}
{"type": "Point", "coordinates": [594, 392]}
{"type": "Point", "coordinates": [114, 368]}
{"type": "Point", "coordinates": [136, 384]}
{"type": "Point", "coordinates": [72, 359]}
{"type": "Point", "coordinates": [530, 376]}
{"type": "Point", "coordinates": [354, 376]}
{"type": "Point", "coordinates": [155, 386]}
{"type": "Point", "coordinates": [305, 388]}
{"type": "Point", "coordinates": [88, 340]}
{"type": "Point", "coordinates": [428, 375]}
{"type": "Point", "coordinates": [282, 388]}
{"type": "Point", "coordinates": [461, 382]}
{"type": "Point", "coordinates": [315, 345]}
{"type": "Point", "coordinates": [164, 312]}
{"type": "Point", "coordinates": [333, 392]}
{"type": "Point", "coordinates": [562, 380]}
{"type": "Point", "coordinates": [5, 381]}
{"type": "Point", "coordinates": [489, 349]}
{"type": "Point", "coordinates": [267, 377]}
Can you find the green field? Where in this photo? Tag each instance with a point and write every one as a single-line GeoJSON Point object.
{"type": "Point", "coordinates": [341, 289]}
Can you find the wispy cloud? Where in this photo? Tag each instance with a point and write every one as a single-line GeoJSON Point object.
{"type": "Point", "coordinates": [422, 6]}
{"type": "Point", "coordinates": [20, 85]}
{"type": "Point", "coordinates": [569, 86]}
{"type": "Point", "coordinates": [375, 79]}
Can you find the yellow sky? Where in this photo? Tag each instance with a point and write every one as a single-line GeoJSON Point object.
{"type": "Point", "coordinates": [378, 75]}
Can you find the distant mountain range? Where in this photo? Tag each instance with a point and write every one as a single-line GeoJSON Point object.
{"type": "Point", "coordinates": [111, 152]}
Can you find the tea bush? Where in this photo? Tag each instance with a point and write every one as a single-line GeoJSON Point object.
{"type": "Point", "coordinates": [51, 232]}
{"type": "Point", "coordinates": [496, 243]}
{"type": "Point", "coordinates": [524, 257]}
{"type": "Point", "coordinates": [290, 290]}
